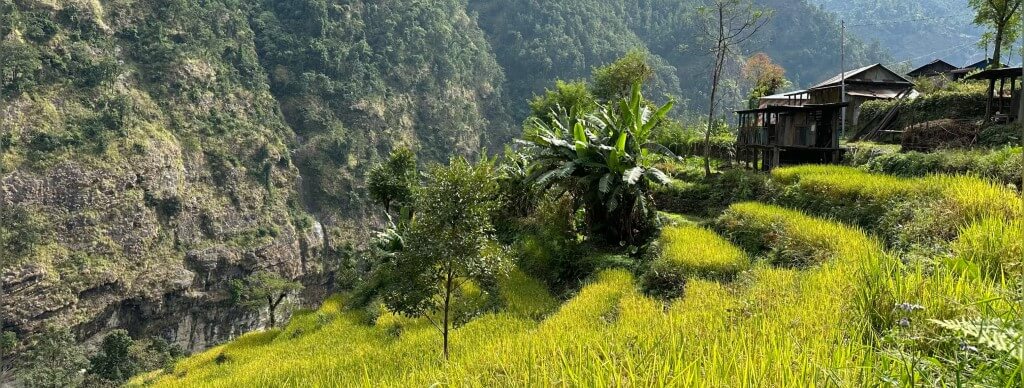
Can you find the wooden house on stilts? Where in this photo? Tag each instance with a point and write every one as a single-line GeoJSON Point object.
{"type": "Point", "coordinates": [805, 126]}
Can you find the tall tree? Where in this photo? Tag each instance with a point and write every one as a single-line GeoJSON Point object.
{"type": "Point", "coordinates": [764, 76]}
{"type": "Point", "coordinates": [1001, 17]}
{"type": "Point", "coordinates": [445, 244]}
{"type": "Point", "coordinates": [727, 24]}
{"type": "Point", "coordinates": [391, 182]}
{"type": "Point", "coordinates": [615, 80]}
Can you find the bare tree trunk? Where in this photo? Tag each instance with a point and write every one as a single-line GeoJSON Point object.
{"type": "Point", "coordinates": [272, 308]}
{"type": "Point", "coordinates": [715, 75]}
{"type": "Point", "coordinates": [447, 310]}
{"type": "Point", "coordinates": [711, 120]}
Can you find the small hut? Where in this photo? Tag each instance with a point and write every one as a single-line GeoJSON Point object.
{"type": "Point", "coordinates": [1005, 93]}
{"type": "Point", "coordinates": [875, 82]}
{"type": "Point", "coordinates": [789, 134]}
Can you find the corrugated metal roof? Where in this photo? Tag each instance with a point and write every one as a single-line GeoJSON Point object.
{"type": "Point", "coordinates": [854, 73]}
{"type": "Point", "coordinates": [783, 96]}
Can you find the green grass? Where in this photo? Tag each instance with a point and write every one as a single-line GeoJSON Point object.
{"type": "Point", "coordinates": [824, 304]}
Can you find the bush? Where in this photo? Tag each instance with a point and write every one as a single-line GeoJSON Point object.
{"type": "Point", "coordinates": [1000, 135]}
{"type": "Point", "coordinates": [689, 141]}
{"type": "Point", "coordinates": [19, 66]}
{"type": "Point", "coordinates": [549, 248]}
{"type": "Point", "coordinates": [690, 251]}
{"type": "Point", "coordinates": [708, 197]}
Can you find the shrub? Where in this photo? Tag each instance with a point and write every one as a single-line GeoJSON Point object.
{"type": "Point", "coordinates": [548, 246]}
{"type": "Point", "coordinates": [690, 251]}
{"type": "Point", "coordinates": [19, 66]}
{"type": "Point", "coordinates": [1000, 135]}
{"type": "Point", "coordinates": [708, 197]}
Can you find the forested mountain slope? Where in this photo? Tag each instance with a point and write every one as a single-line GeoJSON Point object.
{"type": "Point", "coordinates": [916, 32]}
{"type": "Point", "coordinates": [150, 151]}
{"type": "Point", "coordinates": [536, 41]}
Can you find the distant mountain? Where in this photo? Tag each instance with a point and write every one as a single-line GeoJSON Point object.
{"type": "Point", "coordinates": [915, 32]}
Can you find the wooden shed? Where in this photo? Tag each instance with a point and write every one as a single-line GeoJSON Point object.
{"type": "Point", "coordinates": [775, 135]}
{"type": "Point", "coordinates": [1005, 92]}
{"type": "Point", "coordinates": [875, 82]}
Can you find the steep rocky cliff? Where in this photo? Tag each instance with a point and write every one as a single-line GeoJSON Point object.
{"type": "Point", "coordinates": [150, 151]}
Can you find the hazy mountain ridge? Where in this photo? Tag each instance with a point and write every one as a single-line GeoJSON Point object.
{"type": "Point", "coordinates": [916, 32]}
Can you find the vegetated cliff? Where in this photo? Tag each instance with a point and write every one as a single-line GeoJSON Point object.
{"type": "Point", "coordinates": [151, 151]}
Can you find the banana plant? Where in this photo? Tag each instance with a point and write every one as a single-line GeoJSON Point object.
{"type": "Point", "coordinates": [603, 158]}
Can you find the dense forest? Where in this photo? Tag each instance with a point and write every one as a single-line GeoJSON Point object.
{"type": "Point", "coordinates": [538, 41]}
{"type": "Point", "coordinates": [915, 32]}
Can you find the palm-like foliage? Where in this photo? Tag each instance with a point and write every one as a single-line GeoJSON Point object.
{"type": "Point", "coordinates": [605, 160]}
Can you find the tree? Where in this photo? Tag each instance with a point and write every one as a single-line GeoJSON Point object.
{"type": "Point", "coordinates": [19, 65]}
{"type": "Point", "coordinates": [728, 24]}
{"type": "Point", "coordinates": [444, 245]}
{"type": "Point", "coordinates": [573, 96]}
{"type": "Point", "coordinates": [615, 80]}
{"type": "Point", "coordinates": [263, 289]}
{"type": "Point", "coordinates": [605, 161]}
{"type": "Point", "coordinates": [392, 181]}
{"type": "Point", "coordinates": [54, 359]}
{"type": "Point", "coordinates": [1002, 18]}
{"type": "Point", "coordinates": [765, 77]}
{"type": "Point", "coordinates": [115, 362]}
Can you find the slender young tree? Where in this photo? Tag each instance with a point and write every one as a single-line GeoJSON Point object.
{"type": "Point", "coordinates": [445, 244]}
{"type": "Point", "coordinates": [727, 25]}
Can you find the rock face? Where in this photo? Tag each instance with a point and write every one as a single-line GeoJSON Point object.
{"type": "Point", "coordinates": [148, 245]}
{"type": "Point", "coordinates": [151, 151]}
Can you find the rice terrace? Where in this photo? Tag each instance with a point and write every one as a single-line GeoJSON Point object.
{"type": "Point", "coordinates": [490, 193]}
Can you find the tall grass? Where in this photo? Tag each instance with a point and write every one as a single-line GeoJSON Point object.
{"type": "Point", "coordinates": [906, 211]}
{"type": "Point", "coordinates": [688, 251]}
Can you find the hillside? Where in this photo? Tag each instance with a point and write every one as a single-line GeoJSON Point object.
{"type": "Point", "coordinates": [761, 305]}
{"type": "Point", "coordinates": [538, 41]}
{"type": "Point", "coordinates": [915, 32]}
{"type": "Point", "coordinates": [152, 151]}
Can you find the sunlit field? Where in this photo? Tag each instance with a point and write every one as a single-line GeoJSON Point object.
{"type": "Point", "coordinates": [763, 296]}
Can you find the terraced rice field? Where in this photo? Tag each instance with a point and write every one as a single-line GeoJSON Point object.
{"type": "Point", "coordinates": [766, 296]}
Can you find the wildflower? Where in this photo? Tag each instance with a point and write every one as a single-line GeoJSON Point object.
{"type": "Point", "coordinates": [909, 307]}
{"type": "Point", "coordinates": [904, 322]}
{"type": "Point", "coordinates": [968, 348]}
